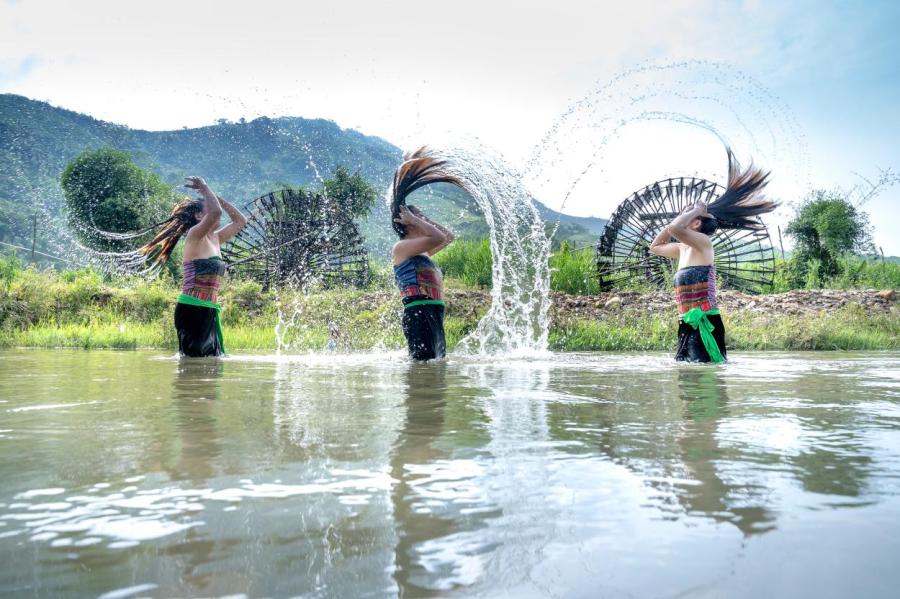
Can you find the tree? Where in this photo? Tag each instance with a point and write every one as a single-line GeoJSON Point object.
{"type": "Point", "coordinates": [825, 227]}
{"type": "Point", "coordinates": [104, 189]}
{"type": "Point", "coordinates": [351, 192]}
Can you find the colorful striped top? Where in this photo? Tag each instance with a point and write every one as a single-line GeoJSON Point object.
{"type": "Point", "coordinates": [419, 278]}
{"type": "Point", "coordinates": [695, 287]}
{"type": "Point", "coordinates": [202, 277]}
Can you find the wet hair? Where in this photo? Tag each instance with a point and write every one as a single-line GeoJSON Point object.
{"type": "Point", "coordinates": [419, 168]}
{"type": "Point", "coordinates": [708, 225]}
{"type": "Point", "coordinates": [741, 203]}
{"type": "Point", "coordinates": [183, 217]}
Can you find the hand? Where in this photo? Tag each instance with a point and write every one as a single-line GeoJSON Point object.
{"type": "Point", "coordinates": [195, 183]}
{"type": "Point", "coordinates": [406, 216]}
{"type": "Point", "coordinates": [198, 184]}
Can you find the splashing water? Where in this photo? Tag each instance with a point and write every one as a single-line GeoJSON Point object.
{"type": "Point", "coordinates": [516, 323]}
{"type": "Point", "coordinates": [564, 168]}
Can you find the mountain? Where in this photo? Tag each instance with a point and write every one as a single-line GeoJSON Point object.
{"type": "Point", "coordinates": [241, 160]}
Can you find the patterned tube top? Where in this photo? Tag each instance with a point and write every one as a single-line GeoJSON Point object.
{"type": "Point", "coordinates": [202, 277]}
{"type": "Point", "coordinates": [695, 287]}
{"type": "Point", "coordinates": [419, 278]}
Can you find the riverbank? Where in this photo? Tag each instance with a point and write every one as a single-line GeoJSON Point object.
{"type": "Point", "coordinates": [82, 310]}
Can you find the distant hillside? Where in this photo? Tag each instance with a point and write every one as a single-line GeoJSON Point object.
{"type": "Point", "coordinates": [241, 160]}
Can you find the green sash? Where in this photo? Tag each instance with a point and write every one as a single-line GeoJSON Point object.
{"type": "Point", "coordinates": [190, 300]}
{"type": "Point", "coordinates": [424, 302]}
{"type": "Point", "coordinates": [697, 318]}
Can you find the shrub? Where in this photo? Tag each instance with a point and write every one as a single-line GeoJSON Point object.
{"type": "Point", "coordinates": [469, 261]}
{"type": "Point", "coordinates": [574, 271]}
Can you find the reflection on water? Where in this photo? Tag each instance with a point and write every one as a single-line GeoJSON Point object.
{"type": "Point", "coordinates": [576, 475]}
{"type": "Point", "coordinates": [704, 394]}
{"type": "Point", "coordinates": [197, 384]}
{"type": "Point", "coordinates": [423, 474]}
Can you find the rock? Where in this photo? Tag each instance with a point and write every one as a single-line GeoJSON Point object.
{"type": "Point", "coordinates": [613, 303]}
{"type": "Point", "coordinates": [887, 294]}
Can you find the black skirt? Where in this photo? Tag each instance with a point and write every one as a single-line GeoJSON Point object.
{"type": "Point", "coordinates": [690, 344]}
{"type": "Point", "coordinates": [196, 328]}
{"type": "Point", "coordinates": [423, 327]}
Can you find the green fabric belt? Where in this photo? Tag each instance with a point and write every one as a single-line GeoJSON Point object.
{"type": "Point", "coordinates": [425, 302]}
{"type": "Point", "coordinates": [190, 300]}
{"type": "Point", "coordinates": [697, 318]}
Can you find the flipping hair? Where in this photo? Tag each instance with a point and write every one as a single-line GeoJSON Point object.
{"type": "Point", "coordinates": [739, 206]}
{"type": "Point", "coordinates": [158, 249]}
{"type": "Point", "coordinates": [420, 168]}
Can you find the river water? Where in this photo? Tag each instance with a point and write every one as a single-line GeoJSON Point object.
{"type": "Point", "coordinates": [578, 475]}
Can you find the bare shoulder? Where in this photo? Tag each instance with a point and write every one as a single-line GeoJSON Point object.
{"type": "Point", "coordinates": [395, 251]}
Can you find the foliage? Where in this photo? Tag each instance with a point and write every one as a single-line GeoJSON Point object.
{"type": "Point", "coordinates": [352, 192]}
{"type": "Point", "coordinates": [241, 160]}
{"type": "Point", "coordinates": [850, 328]}
{"type": "Point", "coordinates": [469, 261]}
{"type": "Point", "coordinates": [15, 223]}
{"type": "Point", "coordinates": [825, 228]}
{"type": "Point", "coordinates": [853, 272]}
{"type": "Point", "coordinates": [574, 270]}
{"type": "Point", "coordinates": [104, 189]}
{"type": "Point", "coordinates": [82, 308]}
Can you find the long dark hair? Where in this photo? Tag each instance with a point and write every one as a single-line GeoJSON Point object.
{"type": "Point", "coordinates": [419, 168]}
{"type": "Point", "coordinates": [741, 203]}
{"type": "Point", "coordinates": [183, 217]}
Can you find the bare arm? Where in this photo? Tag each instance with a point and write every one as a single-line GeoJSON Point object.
{"type": "Point", "coordinates": [448, 234]}
{"type": "Point", "coordinates": [680, 228]}
{"type": "Point", "coordinates": [407, 248]}
{"type": "Point", "coordinates": [212, 210]}
{"type": "Point", "coordinates": [661, 246]}
{"type": "Point", "coordinates": [238, 221]}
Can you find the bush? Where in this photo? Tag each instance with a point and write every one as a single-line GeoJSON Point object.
{"type": "Point", "coordinates": [104, 189]}
{"type": "Point", "coordinates": [10, 266]}
{"type": "Point", "coordinates": [469, 261]}
{"type": "Point", "coordinates": [574, 271]}
{"type": "Point", "coordinates": [852, 272]}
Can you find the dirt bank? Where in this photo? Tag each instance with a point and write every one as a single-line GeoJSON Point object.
{"type": "Point", "coordinates": [792, 302]}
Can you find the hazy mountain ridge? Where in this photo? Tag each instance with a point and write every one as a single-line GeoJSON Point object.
{"type": "Point", "coordinates": [242, 160]}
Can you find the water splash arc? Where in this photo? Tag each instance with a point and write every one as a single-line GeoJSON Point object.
{"type": "Point", "coordinates": [516, 323]}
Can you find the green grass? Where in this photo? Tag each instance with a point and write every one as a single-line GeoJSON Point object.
{"type": "Point", "coordinates": [468, 261]}
{"type": "Point", "coordinates": [84, 309]}
{"type": "Point", "coordinates": [849, 328]}
{"type": "Point", "coordinates": [574, 271]}
{"type": "Point", "coordinates": [636, 333]}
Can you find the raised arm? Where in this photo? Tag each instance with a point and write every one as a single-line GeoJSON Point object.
{"type": "Point", "coordinates": [212, 212]}
{"type": "Point", "coordinates": [448, 234]}
{"type": "Point", "coordinates": [661, 246]}
{"type": "Point", "coordinates": [407, 248]}
{"type": "Point", "coordinates": [238, 221]}
{"type": "Point", "coordinates": [680, 228]}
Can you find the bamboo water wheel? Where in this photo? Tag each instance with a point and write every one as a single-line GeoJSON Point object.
{"type": "Point", "coordinates": [298, 237]}
{"type": "Point", "coordinates": [745, 259]}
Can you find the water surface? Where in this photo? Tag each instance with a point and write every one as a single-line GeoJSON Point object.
{"type": "Point", "coordinates": [134, 474]}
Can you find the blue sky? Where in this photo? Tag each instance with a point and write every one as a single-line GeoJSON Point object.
{"type": "Point", "coordinates": [501, 72]}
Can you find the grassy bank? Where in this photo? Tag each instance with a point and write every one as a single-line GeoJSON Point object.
{"type": "Point", "coordinates": [83, 309]}
{"type": "Point", "coordinates": [849, 328]}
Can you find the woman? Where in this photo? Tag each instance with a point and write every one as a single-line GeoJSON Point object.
{"type": "Point", "coordinates": [418, 277]}
{"type": "Point", "coordinates": [197, 313]}
{"type": "Point", "coordinates": [701, 334]}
